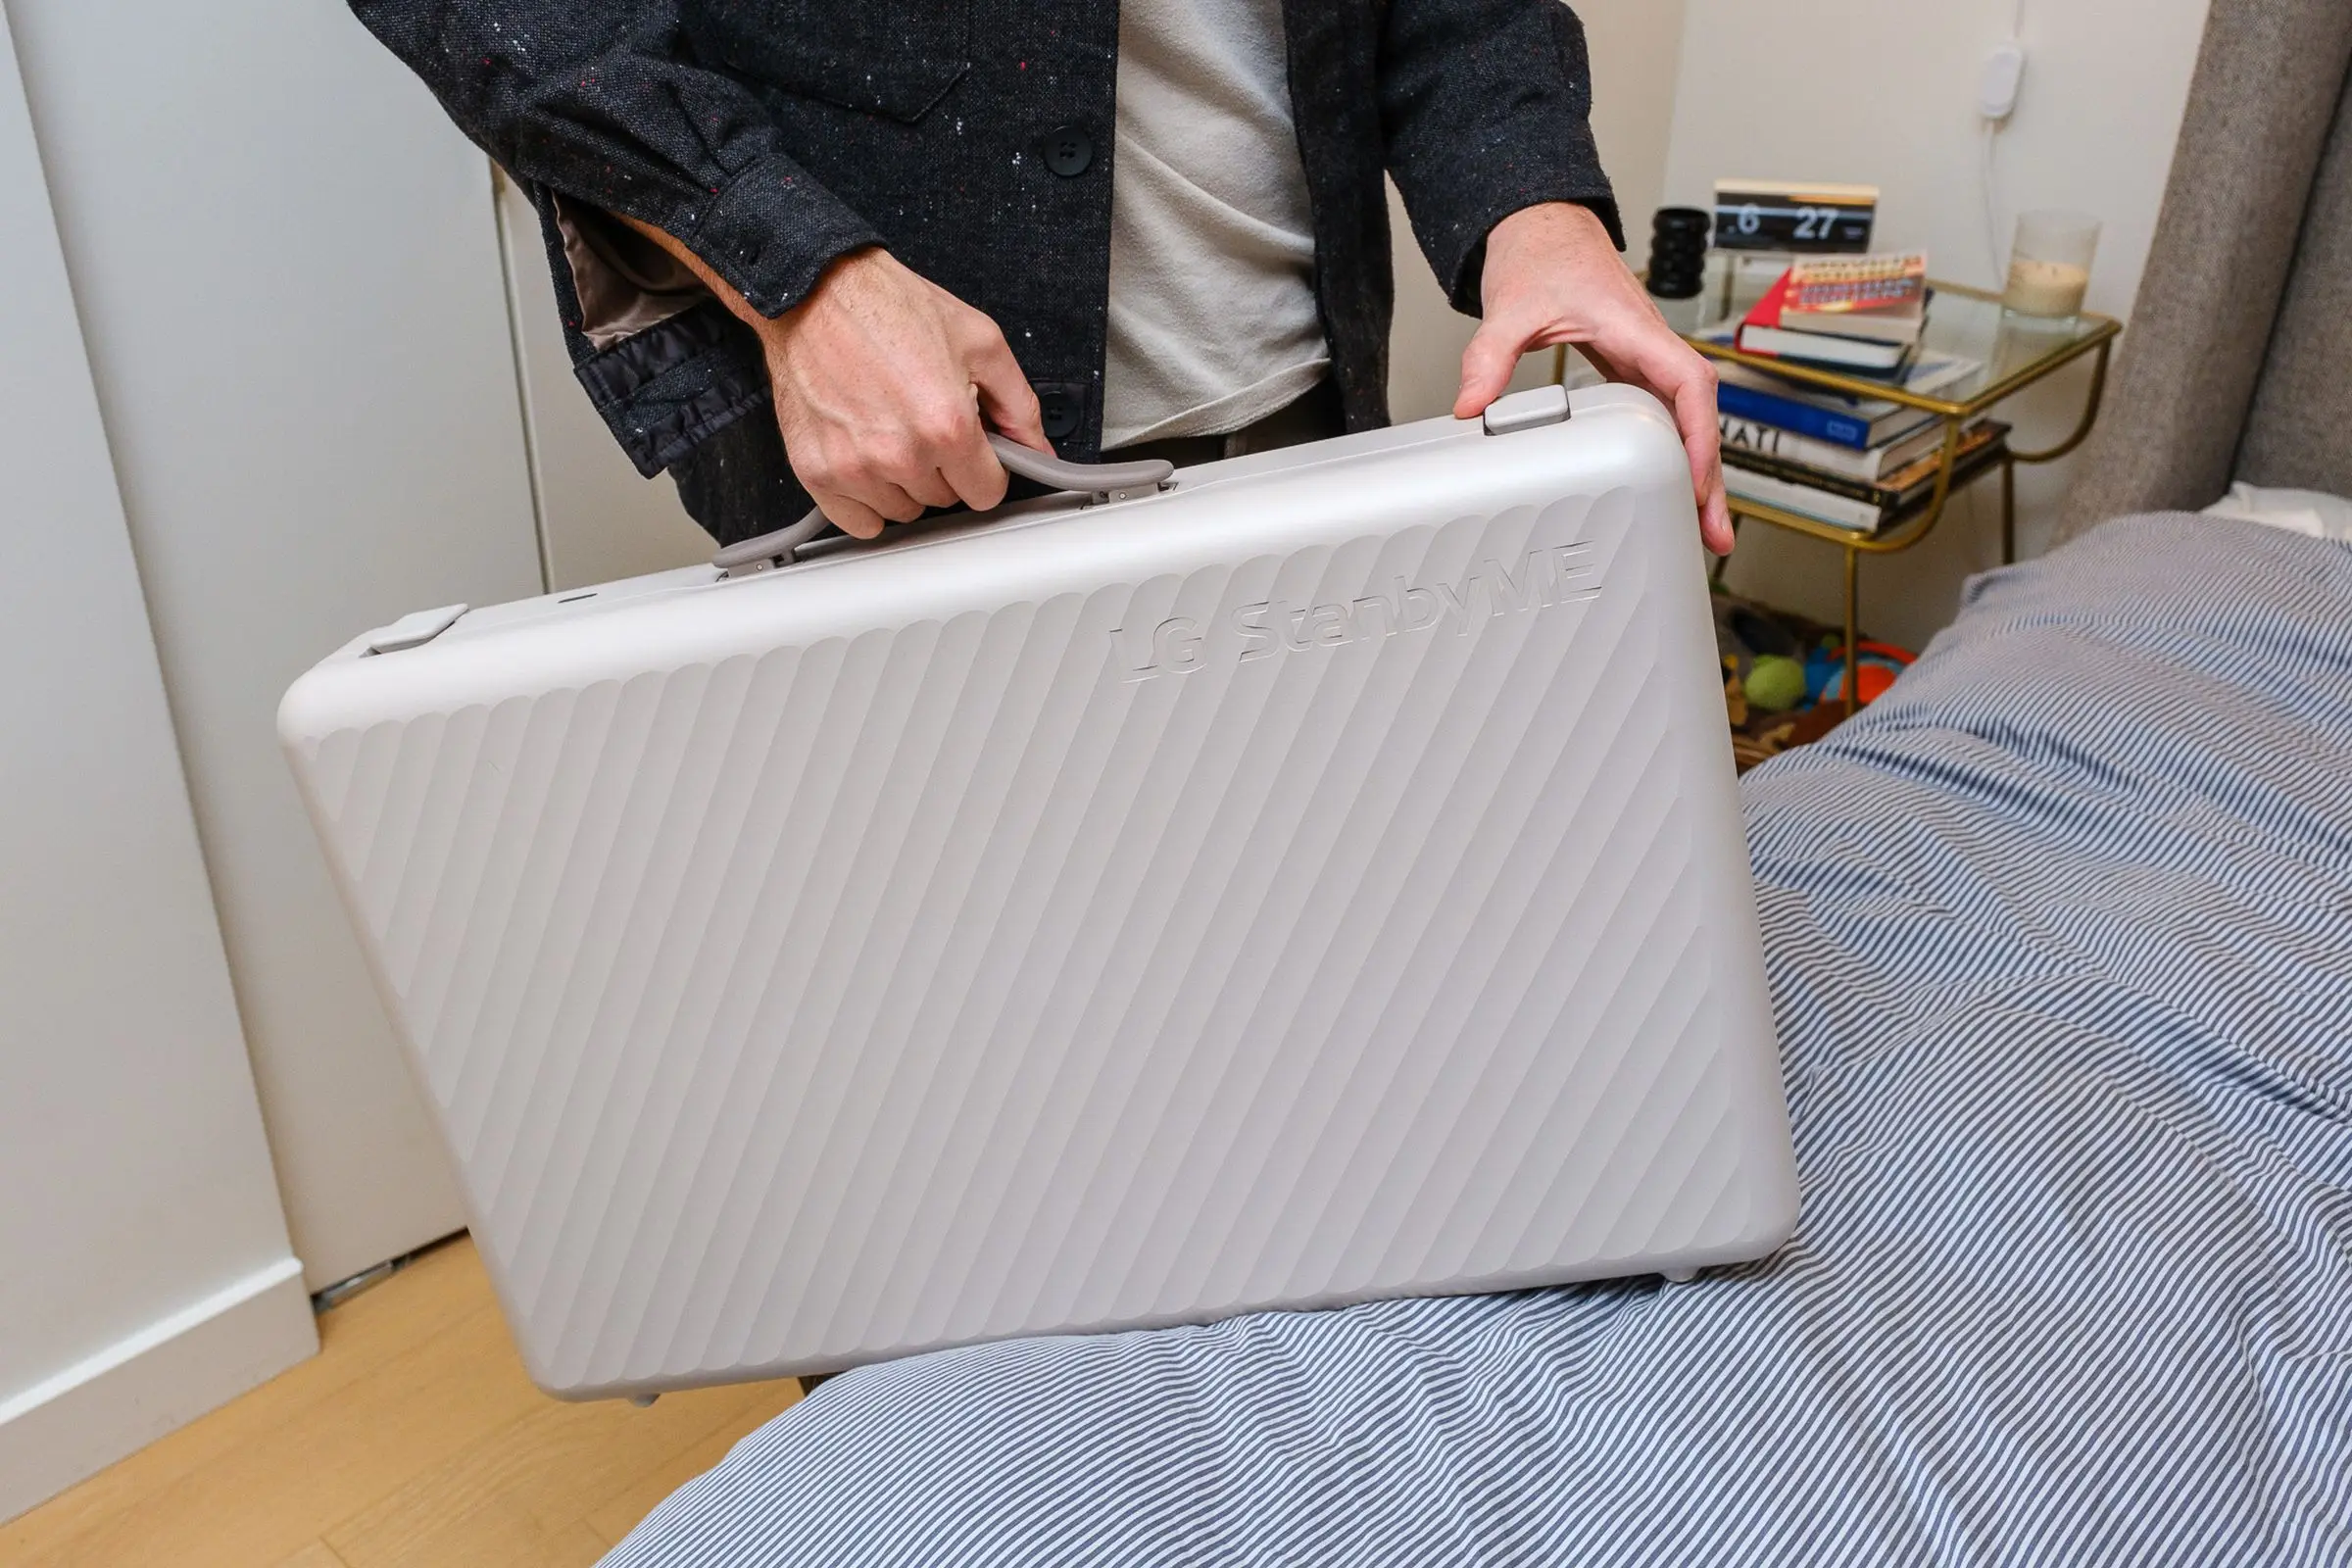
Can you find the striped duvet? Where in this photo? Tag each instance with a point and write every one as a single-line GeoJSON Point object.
{"type": "Point", "coordinates": [2060, 935]}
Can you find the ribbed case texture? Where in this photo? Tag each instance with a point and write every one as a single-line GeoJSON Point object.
{"type": "Point", "coordinates": [800, 984]}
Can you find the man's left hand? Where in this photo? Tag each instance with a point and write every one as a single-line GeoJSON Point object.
{"type": "Point", "coordinates": [1554, 276]}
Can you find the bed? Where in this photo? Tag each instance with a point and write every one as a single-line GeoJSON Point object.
{"type": "Point", "coordinates": [2060, 940]}
{"type": "Point", "coordinates": [2058, 935]}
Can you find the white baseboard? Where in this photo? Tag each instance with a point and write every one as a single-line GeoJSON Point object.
{"type": "Point", "coordinates": [85, 1417]}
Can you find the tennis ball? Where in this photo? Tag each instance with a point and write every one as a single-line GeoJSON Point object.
{"type": "Point", "coordinates": [1775, 683]}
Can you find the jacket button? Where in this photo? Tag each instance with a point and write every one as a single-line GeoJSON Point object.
{"type": "Point", "coordinates": [1069, 152]}
{"type": "Point", "coordinates": [1057, 412]}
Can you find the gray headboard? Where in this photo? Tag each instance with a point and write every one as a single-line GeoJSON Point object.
{"type": "Point", "coordinates": [2300, 430]}
{"type": "Point", "coordinates": [2238, 363]}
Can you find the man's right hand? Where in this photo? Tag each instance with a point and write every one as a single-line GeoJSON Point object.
{"type": "Point", "coordinates": [882, 381]}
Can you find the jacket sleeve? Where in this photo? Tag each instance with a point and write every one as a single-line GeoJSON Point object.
{"type": "Point", "coordinates": [1487, 108]}
{"type": "Point", "coordinates": [603, 100]}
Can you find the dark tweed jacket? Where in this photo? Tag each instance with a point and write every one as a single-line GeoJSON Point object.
{"type": "Point", "coordinates": [972, 138]}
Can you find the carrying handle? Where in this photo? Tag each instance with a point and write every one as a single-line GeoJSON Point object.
{"type": "Point", "coordinates": [1101, 478]}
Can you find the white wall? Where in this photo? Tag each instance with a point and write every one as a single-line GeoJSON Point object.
{"type": "Point", "coordinates": [144, 1269]}
{"type": "Point", "coordinates": [1635, 45]}
{"type": "Point", "coordinates": [1885, 93]}
{"type": "Point", "coordinates": [287, 266]}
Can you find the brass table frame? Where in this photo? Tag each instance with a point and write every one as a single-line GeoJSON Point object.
{"type": "Point", "coordinates": [1909, 528]}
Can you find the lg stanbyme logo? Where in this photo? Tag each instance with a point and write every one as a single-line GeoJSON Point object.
{"type": "Point", "coordinates": [1556, 574]}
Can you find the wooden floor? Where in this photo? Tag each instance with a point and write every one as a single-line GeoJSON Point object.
{"type": "Point", "coordinates": [412, 1438]}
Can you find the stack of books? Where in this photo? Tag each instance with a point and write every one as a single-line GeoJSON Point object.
{"type": "Point", "coordinates": [1847, 312]}
{"type": "Point", "coordinates": [1857, 463]}
{"type": "Point", "coordinates": [1864, 488]}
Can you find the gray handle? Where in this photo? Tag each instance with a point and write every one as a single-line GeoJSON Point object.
{"type": "Point", "coordinates": [1030, 463]}
{"type": "Point", "coordinates": [1048, 470]}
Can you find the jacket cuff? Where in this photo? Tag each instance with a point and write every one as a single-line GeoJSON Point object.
{"type": "Point", "coordinates": [1567, 169]}
{"type": "Point", "coordinates": [773, 231]}
{"type": "Point", "coordinates": [665, 390]}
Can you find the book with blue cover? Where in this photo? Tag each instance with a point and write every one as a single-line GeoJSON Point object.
{"type": "Point", "coordinates": [1859, 423]}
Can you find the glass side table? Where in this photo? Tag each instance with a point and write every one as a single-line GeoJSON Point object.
{"type": "Point", "coordinates": [2012, 354]}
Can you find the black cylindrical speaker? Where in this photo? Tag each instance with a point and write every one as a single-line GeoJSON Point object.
{"type": "Point", "coordinates": [1678, 251]}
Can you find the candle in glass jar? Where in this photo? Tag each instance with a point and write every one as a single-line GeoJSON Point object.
{"type": "Point", "coordinates": [2050, 263]}
{"type": "Point", "coordinates": [2045, 288]}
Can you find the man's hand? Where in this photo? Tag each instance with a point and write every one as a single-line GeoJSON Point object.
{"type": "Point", "coordinates": [882, 379]}
{"type": "Point", "coordinates": [1552, 276]}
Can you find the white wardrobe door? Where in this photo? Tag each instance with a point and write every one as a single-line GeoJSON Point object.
{"type": "Point", "coordinates": [144, 1272]}
{"type": "Point", "coordinates": [287, 266]}
{"type": "Point", "coordinates": [602, 520]}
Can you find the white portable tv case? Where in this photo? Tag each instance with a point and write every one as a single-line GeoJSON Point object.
{"type": "Point", "coordinates": [1318, 879]}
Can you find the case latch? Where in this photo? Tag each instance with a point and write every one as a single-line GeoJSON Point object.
{"type": "Point", "coordinates": [413, 629]}
{"type": "Point", "coordinates": [1525, 411]}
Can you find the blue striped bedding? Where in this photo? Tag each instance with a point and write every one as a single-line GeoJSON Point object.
{"type": "Point", "coordinates": [2060, 935]}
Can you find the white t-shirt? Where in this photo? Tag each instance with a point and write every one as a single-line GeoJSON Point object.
{"type": "Point", "coordinates": [1213, 322]}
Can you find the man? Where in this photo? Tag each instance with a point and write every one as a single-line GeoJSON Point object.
{"type": "Point", "coordinates": [815, 248]}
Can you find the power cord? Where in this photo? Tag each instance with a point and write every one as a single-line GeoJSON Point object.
{"type": "Point", "coordinates": [1991, 179]}
{"type": "Point", "coordinates": [1997, 99]}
